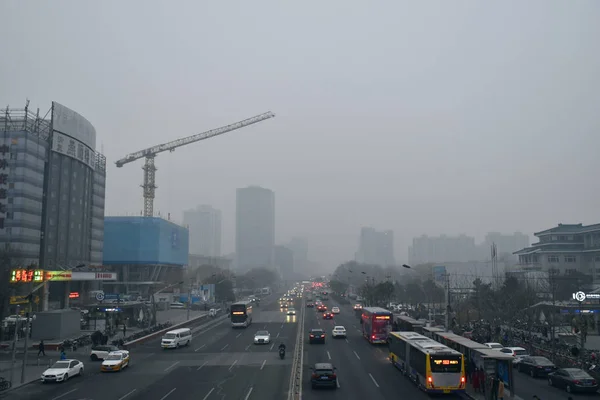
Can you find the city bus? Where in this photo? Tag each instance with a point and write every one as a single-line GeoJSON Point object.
{"type": "Point", "coordinates": [376, 324]}
{"type": "Point", "coordinates": [241, 314]}
{"type": "Point", "coordinates": [408, 324]}
{"type": "Point", "coordinates": [433, 367]}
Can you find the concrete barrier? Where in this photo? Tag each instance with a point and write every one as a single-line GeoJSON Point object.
{"type": "Point", "coordinates": [154, 335]}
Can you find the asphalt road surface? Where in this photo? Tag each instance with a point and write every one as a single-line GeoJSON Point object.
{"type": "Point", "coordinates": [220, 363]}
{"type": "Point", "coordinates": [364, 370]}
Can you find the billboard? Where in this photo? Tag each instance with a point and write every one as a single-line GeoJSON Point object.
{"type": "Point", "coordinates": [144, 240]}
{"type": "Point", "coordinates": [70, 123]}
{"type": "Point", "coordinates": [70, 147]}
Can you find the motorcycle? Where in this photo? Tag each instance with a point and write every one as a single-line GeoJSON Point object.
{"type": "Point", "coordinates": [282, 353]}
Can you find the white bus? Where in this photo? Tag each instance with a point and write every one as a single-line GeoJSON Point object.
{"type": "Point", "coordinates": [241, 314]}
{"type": "Point", "coordinates": [433, 367]}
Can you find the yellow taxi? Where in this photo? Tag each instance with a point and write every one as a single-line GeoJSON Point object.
{"type": "Point", "coordinates": [115, 361]}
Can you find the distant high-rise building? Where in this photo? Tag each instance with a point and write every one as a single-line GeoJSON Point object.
{"type": "Point", "coordinates": [255, 228]}
{"type": "Point", "coordinates": [204, 224]}
{"type": "Point", "coordinates": [376, 247]}
{"type": "Point", "coordinates": [284, 261]}
{"type": "Point", "coordinates": [299, 247]}
{"type": "Point", "coordinates": [426, 249]}
{"type": "Point", "coordinates": [505, 243]}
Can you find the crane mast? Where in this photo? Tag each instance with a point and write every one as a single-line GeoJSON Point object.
{"type": "Point", "coordinates": [149, 184]}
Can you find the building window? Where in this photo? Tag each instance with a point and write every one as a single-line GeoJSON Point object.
{"type": "Point", "coordinates": [554, 238]}
{"type": "Point", "coordinates": [570, 259]}
{"type": "Point", "coordinates": [553, 259]}
{"type": "Point", "coordinates": [597, 259]}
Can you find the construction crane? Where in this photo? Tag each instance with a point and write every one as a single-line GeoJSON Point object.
{"type": "Point", "coordinates": [149, 168]}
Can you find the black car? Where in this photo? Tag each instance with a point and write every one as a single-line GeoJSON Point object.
{"type": "Point", "coordinates": [536, 366]}
{"type": "Point", "coordinates": [323, 374]}
{"type": "Point", "coordinates": [327, 315]}
{"type": "Point", "coordinates": [316, 336]}
{"type": "Point", "coordinates": [573, 380]}
{"type": "Point", "coordinates": [310, 305]}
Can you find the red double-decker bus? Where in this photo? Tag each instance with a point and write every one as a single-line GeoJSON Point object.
{"type": "Point", "coordinates": [376, 324]}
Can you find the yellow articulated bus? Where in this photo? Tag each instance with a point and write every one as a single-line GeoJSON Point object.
{"type": "Point", "coordinates": [433, 367]}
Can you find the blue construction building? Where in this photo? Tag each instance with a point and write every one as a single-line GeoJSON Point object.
{"type": "Point", "coordinates": [144, 251]}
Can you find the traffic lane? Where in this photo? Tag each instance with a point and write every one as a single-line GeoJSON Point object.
{"type": "Point", "coordinates": [241, 340]}
{"type": "Point", "coordinates": [365, 366]}
{"type": "Point", "coordinates": [527, 387]}
{"type": "Point", "coordinates": [199, 383]}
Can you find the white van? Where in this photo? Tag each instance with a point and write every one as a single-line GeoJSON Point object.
{"type": "Point", "coordinates": [177, 338]}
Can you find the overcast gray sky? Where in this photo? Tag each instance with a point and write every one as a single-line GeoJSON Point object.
{"type": "Point", "coordinates": [421, 117]}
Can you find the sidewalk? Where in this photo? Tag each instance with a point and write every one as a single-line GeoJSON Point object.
{"type": "Point", "coordinates": [472, 394]}
{"type": "Point", "coordinates": [32, 372]}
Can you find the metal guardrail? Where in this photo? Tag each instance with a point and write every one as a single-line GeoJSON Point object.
{"type": "Point", "coordinates": [295, 392]}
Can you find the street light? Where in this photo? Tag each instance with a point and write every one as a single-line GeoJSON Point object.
{"type": "Point", "coordinates": [153, 322]}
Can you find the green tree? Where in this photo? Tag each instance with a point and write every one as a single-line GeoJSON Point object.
{"type": "Point", "coordinates": [383, 293]}
{"type": "Point", "coordinates": [223, 287]}
{"type": "Point", "coordinates": [260, 277]}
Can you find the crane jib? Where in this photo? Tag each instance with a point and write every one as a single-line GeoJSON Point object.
{"type": "Point", "coordinates": [149, 153]}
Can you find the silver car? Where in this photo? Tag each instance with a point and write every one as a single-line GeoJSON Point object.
{"type": "Point", "coordinates": [262, 337]}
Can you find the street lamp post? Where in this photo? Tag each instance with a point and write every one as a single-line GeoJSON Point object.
{"type": "Point", "coordinates": [153, 302]}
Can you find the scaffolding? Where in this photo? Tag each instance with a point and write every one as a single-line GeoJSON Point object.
{"type": "Point", "coordinates": [22, 119]}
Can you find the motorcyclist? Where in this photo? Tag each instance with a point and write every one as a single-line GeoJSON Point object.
{"type": "Point", "coordinates": [281, 347]}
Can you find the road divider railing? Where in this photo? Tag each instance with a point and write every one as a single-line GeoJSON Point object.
{"type": "Point", "coordinates": [186, 324]}
{"type": "Point", "coordinates": [295, 392]}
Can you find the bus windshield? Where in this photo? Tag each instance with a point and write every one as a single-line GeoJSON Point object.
{"type": "Point", "coordinates": [445, 364]}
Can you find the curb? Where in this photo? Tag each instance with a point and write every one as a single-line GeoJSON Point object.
{"type": "Point", "coordinates": [14, 388]}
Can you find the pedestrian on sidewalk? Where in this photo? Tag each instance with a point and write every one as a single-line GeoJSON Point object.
{"type": "Point", "coordinates": [501, 390]}
{"type": "Point", "coordinates": [124, 330]}
{"type": "Point", "coordinates": [41, 349]}
{"type": "Point", "coordinates": [475, 380]}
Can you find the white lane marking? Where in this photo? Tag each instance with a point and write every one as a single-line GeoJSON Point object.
{"type": "Point", "coordinates": [200, 332]}
{"type": "Point", "coordinates": [200, 348]}
{"type": "Point", "coordinates": [172, 365]}
{"type": "Point", "coordinates": [121, 398]}
{"type": "Point", "coordinates": [271, 348]}
{"type": "Point", "coordinates": [233, 365]}
{"type": "Point", "coordinates": [224, 347]}
{"type": "Point", "coordinates": [167, 395]}
{"type": "Point", "coordinates": [247, 347]}
{"type": "Point", "coordinates": [337, 381]}
{"type": "Point", "coordinates": [238, 335]}
{"type": "Point", "coordinates": [64, 394]}
{"type": "Point", "coordinates": [208, 394]}
{"type": "Point", "coordinates": [265, 327]}
{"type": "Point", "coordinates": [328, 355]}
{"type": "Point", "coordinates": [374, 381]}
{"type": "Point", "coordinates": [263, 365]}
{"type": "Point", "coordinates": [347, 341]}
{"type": "Point", "coordinates": [200, 367]}
{"type": "Point", "coordinates": [248, 395]}
{"type": "Point", "coordinates": [147, 356]}
{"type": "Point", "coordinates": [356, 354]}
{"type": "Point", "coordinates": [277, 336]}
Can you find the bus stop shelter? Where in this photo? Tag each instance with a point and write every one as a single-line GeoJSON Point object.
{"type": "Point", "coordinates": [496, 364]}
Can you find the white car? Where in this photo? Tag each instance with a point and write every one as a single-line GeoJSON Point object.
{"type": "Point", "coordinates": [115, 361]}
{"type": "Point", "coordinates": [335, 310]}
{"type": "Point", "coordinates": [62, 370]}
{"type": "Point", "coordinates": [262, 337]}
{"type": "Point", "coordinates": [494, 346]}
{"type": "Point", "coordinates": [101, 352]}
{"type": "Point", "coordinates": [291, 311]}
{"type": "Point", "coordinates": [517, 352]}
{"type": "Point", "coordinates": [338, 331]}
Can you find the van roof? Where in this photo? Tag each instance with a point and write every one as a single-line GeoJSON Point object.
{"type": "Point", "coordinates": [180, 330]}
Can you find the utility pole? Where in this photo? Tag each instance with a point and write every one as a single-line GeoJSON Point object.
{"type": "Point", "coordinates": [23, 366]}
{"type": "Point", "coordinates": [14, 351]}
{"type": "Point", "coordinates": [189, 305]}
{"type": "Point", "coordinates": [447, 301]}
{"type": "Point", "coordinates": [552, 329]}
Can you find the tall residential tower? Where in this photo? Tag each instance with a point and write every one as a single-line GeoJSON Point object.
{"type": "Point", "coordinates": [204, 224]}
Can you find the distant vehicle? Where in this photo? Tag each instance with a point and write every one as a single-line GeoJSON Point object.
{"type": "Point", "coordinates": [323, 374]}
{"type": "Point", "coordinates": [358, 307]}
{"type": "Point", "coordinates": [338, 331]}
{"type": "Point", "coordinates": [327, 315]}
{"type": "Point", "coordinates": [335, 310]}
{"type": "Point", "coordinates": [573, 380]}
{"type": "Point", "coordinates": [536, 366]}
{"type": "Point", "coordinates": [494, 346]}
{"type": "Point", "coordinates": [310, 304]}
{"type": "Point", "coordinates": [291, 311]}
{"type": "Point", "coordinates": [265, 291]}
{"type": "Point", "coordinates": [321, 308]}
{"type": "Point", "coordinates": [376, 324]}
{"type": "Point", "coordinates": [173, 305]}
{"type": "Point", "coordinates": [517, 352]}
{"type": "Point", "coordinates": [262, 337]}
{"type": "Point", "coordinates": [284, 305]}
{"type": "Point", "coordinates": [316, 336]}
{"type": "Point", "coordinates": [241, 314]}
{"type": "Point", "coordinates": [62, 370]}
{"type": "Point", "coordinates": [115, 361]}
{"type": "Point", "coordinates": [176, 338]}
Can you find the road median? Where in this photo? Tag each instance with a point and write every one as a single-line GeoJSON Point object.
{"type": "Point", "coordinates": [154, 335]}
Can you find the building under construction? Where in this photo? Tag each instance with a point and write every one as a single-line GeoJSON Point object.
{"type": "Point", "coordinates": [52, 185]}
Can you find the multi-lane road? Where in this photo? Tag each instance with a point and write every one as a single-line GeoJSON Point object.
{"type": "Point", "coordinates": [221, 362]}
